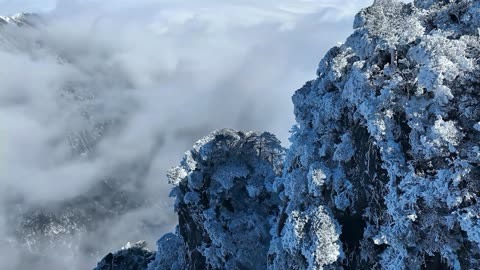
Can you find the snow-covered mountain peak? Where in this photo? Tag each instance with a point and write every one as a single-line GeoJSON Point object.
{"type": "Point", "coordinates": [19, 18]}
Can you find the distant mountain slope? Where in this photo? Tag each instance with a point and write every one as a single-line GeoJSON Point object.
{"type": "Point", "coordinates": [79, 120]}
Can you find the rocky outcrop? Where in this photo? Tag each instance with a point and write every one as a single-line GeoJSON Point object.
{"type": "Point", "coordinates": [131, 257]}
{"type": "Point", "coordinates": [224, 199]}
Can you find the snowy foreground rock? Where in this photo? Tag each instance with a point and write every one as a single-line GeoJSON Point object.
{"type": "Point", "coordinates": [384, 167]}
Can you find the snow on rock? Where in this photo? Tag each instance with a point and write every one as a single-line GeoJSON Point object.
{"type": "Point", "coordinates": [388, 130]}
{"type": "Point", "coordinates": [225, 203]}
{"type": "Point", "coordinates": [130, 257]}
{"type": "Point", "coordinates": [227, 223]}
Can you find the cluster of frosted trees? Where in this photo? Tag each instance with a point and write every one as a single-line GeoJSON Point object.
{"type": "Point", "coordinates": [384, 167]}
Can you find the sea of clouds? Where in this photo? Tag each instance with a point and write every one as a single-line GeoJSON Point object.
{"type": "Point", "coordinates": [160, 75]}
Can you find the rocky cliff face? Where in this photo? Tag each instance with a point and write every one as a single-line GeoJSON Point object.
{"type": "Point", "coordinates": [383, 171]}
{"type": "Point", "coordinates": [385, 157]}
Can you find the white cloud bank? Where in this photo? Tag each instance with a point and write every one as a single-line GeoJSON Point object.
{"type": "Point", "coordinates": [159, 74]}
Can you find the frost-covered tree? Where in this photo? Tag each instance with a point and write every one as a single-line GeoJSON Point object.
{"type": "Point", "coordinates": [386, 146]}
{"type": "Point", "coordinates": [224, 201]}
{"type": "Point", "coordinates": [171, 253]}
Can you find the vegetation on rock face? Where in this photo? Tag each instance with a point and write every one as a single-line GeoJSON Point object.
{"type": "Point", "coordinates": [389, 129]}
{"type": "Point", "coordinates": [224, 199]}
{"type": "Point", "coordinates": [383, 171]}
